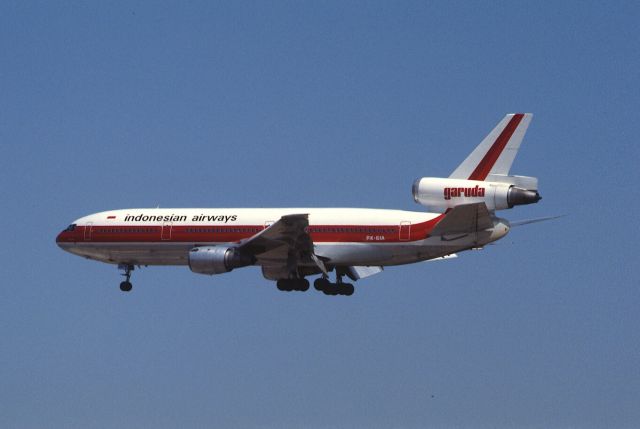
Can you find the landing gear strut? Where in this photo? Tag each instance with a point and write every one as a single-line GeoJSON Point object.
{"type": "Point", "coordinates": [126, 285]}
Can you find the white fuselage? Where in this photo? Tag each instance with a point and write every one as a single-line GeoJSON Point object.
{"type": "Point", "coordinates": [341, 236]}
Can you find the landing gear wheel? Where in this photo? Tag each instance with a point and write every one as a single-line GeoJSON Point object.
{"type": "Point", "coordinates": [288, 285]}
{"type": "Point", "coordinates": [331, 289]}
{"type": "Point", "coordinates": [321, 284]}
{"type": "Point", "coordinates": [347, 289]}
{"type": "Point", "coordinates": [126, 286]}
{"type": "Point", "coordinates": [284, 285]}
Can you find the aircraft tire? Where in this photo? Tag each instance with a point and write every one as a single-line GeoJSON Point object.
{"type": "Point", "coordinates": [321, 284]}
{"type": "Point", "coordinates": [303, 285]}
{"type": "Point", "coordinates": [289, 285]}
{"type": "Point", "coordinates": [126, 286]}
{"type": "Point", "coordinates": [347, 289]}
{"type": "Point", "coordinates": [331, 289]}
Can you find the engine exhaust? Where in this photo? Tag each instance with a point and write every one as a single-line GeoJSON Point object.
{"type": "Point", "coordinates": [520, 197]}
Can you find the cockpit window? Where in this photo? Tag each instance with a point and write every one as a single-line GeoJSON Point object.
{"type": "Point", "coordinates": [71, 227]}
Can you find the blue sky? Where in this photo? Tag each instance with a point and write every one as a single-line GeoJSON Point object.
{"type": "Point", "coordinates": [138, 104]}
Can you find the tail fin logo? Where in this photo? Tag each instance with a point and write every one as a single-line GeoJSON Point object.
{"type": "Point", "coordinates": [476, 191]}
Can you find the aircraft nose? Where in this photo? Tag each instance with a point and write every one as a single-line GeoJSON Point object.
{"type": "Point", "coordinates": [64, 238]}
{"type": "Point", "coordinates": [59, 238]}
{"type": "Point", "coordinates": [67, 236]}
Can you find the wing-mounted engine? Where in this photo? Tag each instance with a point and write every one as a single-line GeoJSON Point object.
{"type": "Point", "coordinates": [440, 194]}
{"type": "Point", "coordinates": [217, 259]}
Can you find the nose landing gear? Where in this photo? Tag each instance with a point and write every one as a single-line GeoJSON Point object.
{"type": "Point", "coordinates": [126, 285]}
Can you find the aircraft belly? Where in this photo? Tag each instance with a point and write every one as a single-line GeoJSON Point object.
{"type": "Point", "coordinates": [134, 253]}
{"type": "Point", "coordinates": [358, 254]}
{"type": "Point", "coordinates": [367, 254]}
{"type": "Point", "coordinates": [354, 253]}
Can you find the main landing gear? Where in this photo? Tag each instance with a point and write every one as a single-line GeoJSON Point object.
{"type": "Point", "coordinates": [322, 284]}
{"type": "Point", "coordinates": [126, 285]}
{"type": "Point", "coordinates": [288, 285]}
{"type": "Point", "coordinates": [338, 288]}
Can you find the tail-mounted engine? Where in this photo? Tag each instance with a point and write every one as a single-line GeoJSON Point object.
{"type": "Point", "coordinates": [217, 259]}
{"type": "Point", "coordinates": [504, 193]}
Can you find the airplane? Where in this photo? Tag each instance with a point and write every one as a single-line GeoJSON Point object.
{"type": "Point", "coordinates": [290, 244]}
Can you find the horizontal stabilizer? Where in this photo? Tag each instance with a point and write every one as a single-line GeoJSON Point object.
{"type": "Point", "coordinates": [536, 220]}
{"type": "Point", "coordinates": [464, 219]}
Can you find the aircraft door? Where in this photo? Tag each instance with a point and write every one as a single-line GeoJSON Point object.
{"type": "Point", "coordinates": [166, 231]}
{"type": "Point", "coordinates": [405, 230]}
{"type": "Point", "coordinates": [88, 228]}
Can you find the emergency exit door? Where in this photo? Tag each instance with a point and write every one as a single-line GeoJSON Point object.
{"type": "Point", "coordinates": [166, 231]}
{"type": "Point", "coordinates": [405, 231]}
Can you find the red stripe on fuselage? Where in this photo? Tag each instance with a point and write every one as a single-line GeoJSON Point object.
{"type": "Point", "coordinates": [488, 161]}
{"type": "Point", "coordinates": [236, 233]}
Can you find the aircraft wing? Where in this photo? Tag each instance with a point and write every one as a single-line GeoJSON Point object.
{"type": "Point", "coordinates": [464, 219]}
{"type": "Point", "coordinates": [284, 240]}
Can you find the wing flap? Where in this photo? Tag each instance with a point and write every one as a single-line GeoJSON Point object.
{"type": "Point", "coordinates": [357, 273]}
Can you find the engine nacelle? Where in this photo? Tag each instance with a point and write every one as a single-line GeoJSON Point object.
{"type": "Point", "coordinates": [216, 259]}
{"type": "Point", "coordinates": [441, 194]}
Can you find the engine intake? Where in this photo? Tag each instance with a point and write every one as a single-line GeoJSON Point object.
{"type": "Point", "coordinates": [217, 259]}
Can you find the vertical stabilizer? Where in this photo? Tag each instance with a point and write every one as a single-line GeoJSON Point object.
{"type": "Point", "coordinates": [495, 154]}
